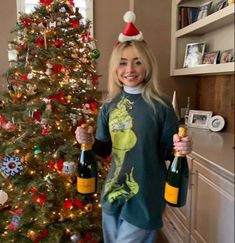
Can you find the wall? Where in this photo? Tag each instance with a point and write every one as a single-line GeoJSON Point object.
{"type": "Point", "coordinates": [107, 25]}
{"type": "Point", "coordinates": [7, 23]}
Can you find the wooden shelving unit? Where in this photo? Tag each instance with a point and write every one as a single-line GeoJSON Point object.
{"type": "Point", "coordinates": [216, 30]}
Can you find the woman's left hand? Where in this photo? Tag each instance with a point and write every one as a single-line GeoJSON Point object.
{"type": "Point", "coordinates": [183, 145]}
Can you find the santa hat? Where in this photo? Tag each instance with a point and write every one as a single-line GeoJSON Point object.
{"type": "Point", "coordinates": [130, 33]}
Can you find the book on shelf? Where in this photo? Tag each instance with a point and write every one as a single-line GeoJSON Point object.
{"type": "Point", "coordinates": [187, 16]}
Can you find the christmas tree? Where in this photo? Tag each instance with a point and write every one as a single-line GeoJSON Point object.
{"type": "Point", "coordinates": [52, 83]}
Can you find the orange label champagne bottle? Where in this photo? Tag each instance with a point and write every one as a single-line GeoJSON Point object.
{"type": "Point", "coordinates": [176, 185]}
{"type": "Point", "coordinates": [87, 170]}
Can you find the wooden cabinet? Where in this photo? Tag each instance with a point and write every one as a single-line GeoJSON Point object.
{"type": "Point", "coordinates": [216, 31]}
{"type": "Point", "coordinates": [208, 216]}
{"type": "Point", "coordinates": [212, 218]}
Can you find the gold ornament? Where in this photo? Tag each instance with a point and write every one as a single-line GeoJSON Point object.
{"type": "Point", "coordinates": [31, 234]}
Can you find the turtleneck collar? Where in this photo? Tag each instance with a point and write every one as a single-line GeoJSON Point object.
{"type": "Point", "coordinates": [133, 90]}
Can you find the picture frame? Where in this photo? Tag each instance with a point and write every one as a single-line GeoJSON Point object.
{"type": "Point", "coordinates": [210, 57]}
{"type": "Point", "coordinates": [204, 10]}
{"type": "Point", "coordinates": [199, 118]}
{"type": "Point", "coordinates": [220, 4]}
{"type": "Point", "coordinates": [193, 54]}
{"type": "Point", "coordinates": [226, 56]}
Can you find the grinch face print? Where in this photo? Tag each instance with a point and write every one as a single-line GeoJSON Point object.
{"type": "Point", "coordinates": [123, 140]}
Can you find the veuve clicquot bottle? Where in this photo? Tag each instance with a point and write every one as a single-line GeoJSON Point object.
{"type": "Point", "coordinates": [176, 185]}
{"type": "Point", "coordinates": [87, 171]}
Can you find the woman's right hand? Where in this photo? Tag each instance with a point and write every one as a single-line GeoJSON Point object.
{"type": "Point", "coordinates": [84, 135]}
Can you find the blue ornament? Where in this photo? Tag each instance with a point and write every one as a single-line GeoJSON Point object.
{"type": "Point", "coordinates": [11, 165]}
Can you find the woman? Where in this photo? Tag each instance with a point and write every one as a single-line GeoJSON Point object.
{"type": "Point", "coordinates": [136, 126]}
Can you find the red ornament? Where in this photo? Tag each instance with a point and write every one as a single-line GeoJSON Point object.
{"type": "Point", "coordinates": [39, 41]}
{"type": "Point", "coordinates": [27, 22]}
{"type": "Point", "coordinates": [60, 165]}
{"type": "Point", "coordinates": [57, 68]}
{"type": "Point", "coordinates": [94, 80]}
{"type": "Point", "coordinates": [22, 46]}
{"type": "Point", "coordinates": [41, 198]}
{"type": "Point", "coordinates": [78, 203]}
{"type": "Point", "coordinates": [24, 77]}
{"type": "Point", "coordinates": [52, 164]}
{"type": "Point", "coordinates": [37, 116]}
{"type": "Point", "coordinates": [68, 204]}
{"type": "Point", "coordinates": [3, 120]}
{"type": "Point", "coordinates": [86, 36]}
{"type": "Point", "coordinates": [44, 131]}
{"type": "Point", "coordinates": [74, 23]}
{"type": "Point", "coordinates": [72, 2]}
{"type": "Point", "coordinates": [34, 190]}
{"type": "Point", "coordinates": [45, 2]}
{"type": "Point", "coordinates": [93, 106]}
{"type": "Point", "coordinates": [43, 234]}
{"type": "Point", "coordinates": [58, 43]}
{"type": "Point", "coordinates": [59, 97]}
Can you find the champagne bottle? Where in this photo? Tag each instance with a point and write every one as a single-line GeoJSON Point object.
{"type": "Point", "coordinates": [176, 185]}
{"type": "Point", "coordinates": [87, 170]}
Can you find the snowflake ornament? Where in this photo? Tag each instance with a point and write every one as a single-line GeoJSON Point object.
{"type": "Point", "coordinates": [11, 165]}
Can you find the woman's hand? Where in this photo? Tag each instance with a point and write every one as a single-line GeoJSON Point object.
{"type": "Point", "coordinates": [84, 135]}
{"type": "Point", "coordinates": [183, 145]}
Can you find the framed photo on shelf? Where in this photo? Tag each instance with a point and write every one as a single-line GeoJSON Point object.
{"type": "Point", "coordinates": [204, 10]}
{"type": "Point", "coordinates": [226, 56]}
{"type": "Point", "coordinates": [220, 4]}
{"type": "Point", "coordinates": [193, 54]}
{"type": "Point", "coordinates": [210, 57]}
{"type": "Point", "coordinates": [199, 118]}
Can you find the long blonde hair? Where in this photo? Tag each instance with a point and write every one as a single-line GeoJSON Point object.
{"type": "Point", "coordinates": [150, 91]}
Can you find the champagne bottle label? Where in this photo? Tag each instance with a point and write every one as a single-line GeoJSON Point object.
{"type": "Point", "coordinates": [86, 185]}
{"type": "Point", "coordinates": [171, 193]}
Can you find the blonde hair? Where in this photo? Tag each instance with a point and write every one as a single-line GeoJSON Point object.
{"type": "Point", "coordinates": [150, 90]}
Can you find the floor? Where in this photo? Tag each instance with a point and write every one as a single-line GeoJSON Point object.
{"type": "Point", "coordinates": [161, 238]}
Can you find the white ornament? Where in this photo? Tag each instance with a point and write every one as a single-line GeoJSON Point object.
{"type": "Point", "coordinates": [3, 197]}
{"type": "Point", "coordinates": [69, 167]}
{"type": "Point", "coordinates": [12, 55]}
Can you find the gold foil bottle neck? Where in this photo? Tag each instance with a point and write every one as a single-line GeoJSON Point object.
{"type": "Point", "coordinates": [85, 147]}
{"type": "Point", "coordinates": [182, 132]}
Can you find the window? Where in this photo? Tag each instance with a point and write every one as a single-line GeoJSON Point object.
{"type": "Point", "coordinates": [85, 7]}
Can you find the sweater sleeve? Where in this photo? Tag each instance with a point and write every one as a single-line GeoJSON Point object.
{"type": "Point", "coordinates": [102, 149]}
{"type": "Point", "coordinates": [170, 127]}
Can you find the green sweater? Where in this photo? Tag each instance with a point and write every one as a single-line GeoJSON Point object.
{"type": "Point", "coordinates": [142, 140]}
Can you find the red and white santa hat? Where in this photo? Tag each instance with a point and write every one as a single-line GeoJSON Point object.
{"type": "Point", "coordinates": [130, 33]}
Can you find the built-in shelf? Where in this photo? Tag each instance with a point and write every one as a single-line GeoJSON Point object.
{"type": "Point", "coordinates": [223, 68]}
{"type": "Point", "coordinates": [212, 22]}
{"type": "Point", "coordinates": [216, 30]}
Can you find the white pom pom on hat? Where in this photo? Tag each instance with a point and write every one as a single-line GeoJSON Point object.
{"type": "Point", "coordinates": [130, 33]}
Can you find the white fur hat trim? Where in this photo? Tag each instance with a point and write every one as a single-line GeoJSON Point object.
{"type": "Point", "coordinates": [124, 38]}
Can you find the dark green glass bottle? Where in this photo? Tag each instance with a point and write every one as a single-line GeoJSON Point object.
{"type": "Point", "coordinates": [176, 186]}
{"type": "Point", "coordinates": [87, 171]}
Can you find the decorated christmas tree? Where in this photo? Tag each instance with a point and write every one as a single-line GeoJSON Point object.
{"type": "Point", "coordinates": [52, 83]}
